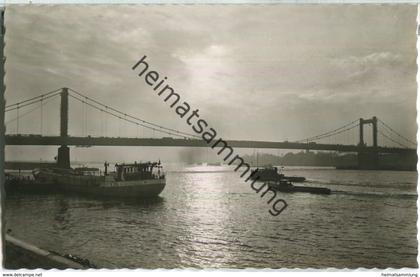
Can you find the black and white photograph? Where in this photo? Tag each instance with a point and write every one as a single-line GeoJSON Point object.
{"type": "Point", "coordinates": [242, 136]}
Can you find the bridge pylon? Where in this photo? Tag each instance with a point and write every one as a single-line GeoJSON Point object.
{"type": "Point", "coordinates": [368, 157]}
{"type": "Point", "coordinates": [374, 122]}
{"type": "Point", "coordinates": [63, 156]}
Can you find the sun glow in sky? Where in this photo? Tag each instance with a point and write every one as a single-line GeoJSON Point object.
{"type": "Point", "coordinates": [278, 73]}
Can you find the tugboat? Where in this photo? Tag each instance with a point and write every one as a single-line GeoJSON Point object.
{"type": "Point", "coordinates": [282, 183]}
{"type": "Point", "coordinates": [271, 174]}
{"type": "Point", "coordinates": [136, 180]}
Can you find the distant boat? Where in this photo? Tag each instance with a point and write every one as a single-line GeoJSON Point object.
{"type": "Point", "coordinates": [283, 183]}
{"type": "Point", "coordinates": [270, 173]}
{"type": "Point", "coordinates": [136, 180]}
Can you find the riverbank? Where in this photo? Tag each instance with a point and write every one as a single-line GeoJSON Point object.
{"type": "Point", "coordinates": [20, 254]}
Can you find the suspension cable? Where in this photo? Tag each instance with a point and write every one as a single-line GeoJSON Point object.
{"type": "Point", "coordinates": [33, 98]}
{"type": "Point", "coordinates": [125, 119]}
{"type": "Point", "coordinates": [394, 141]}
{"type": "Point", "coordinates": [133, 117]}
{"type": "Point", "coordinates": [398, 134]}
{"type": "Point", "coordinates": [330, 133]}
{"type": "Point", "coordinates": [19, 106]}
{"type": "Point", "coordinates": [28, 112]}
{"type": "Point", "coordinates": [342, 131]}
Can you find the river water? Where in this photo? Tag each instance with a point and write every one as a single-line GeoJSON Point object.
{"type": "Point", "coordinates": [207, 217]}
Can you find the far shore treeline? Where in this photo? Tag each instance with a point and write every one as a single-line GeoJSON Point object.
{"type": "Point", "coordinates": [307, 158]}
{"type": "Point", "coordinates": [304, 158]}
{"type": "Point", "coordinates": [333, 159]}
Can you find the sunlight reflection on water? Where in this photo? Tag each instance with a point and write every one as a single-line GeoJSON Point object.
{"type": "Point", "coordinates": [208, 217]}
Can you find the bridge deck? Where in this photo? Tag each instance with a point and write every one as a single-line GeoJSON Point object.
{"type": "Point", "coordinates": [175, 142]}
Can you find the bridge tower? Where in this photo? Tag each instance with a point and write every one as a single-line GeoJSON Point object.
{"type": "Point", "coordinates": [374, 122]}
{"type": "Point", "coordinates": [63, 157]}
{"type": "Point", "coordinates": [368, 157]}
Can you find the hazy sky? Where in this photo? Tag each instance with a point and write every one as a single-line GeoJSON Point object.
{"type": "Point", "coordinates": [255, 72]}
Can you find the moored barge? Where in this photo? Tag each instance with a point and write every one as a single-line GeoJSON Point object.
{"type": "Point", "coordinates": [135, 180]}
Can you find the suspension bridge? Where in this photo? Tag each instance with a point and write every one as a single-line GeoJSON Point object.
{"type": "Point", "coordinates": [367, 155]}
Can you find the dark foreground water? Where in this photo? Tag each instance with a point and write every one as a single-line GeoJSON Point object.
{"type": "Point", "coordinates": [208, 217]}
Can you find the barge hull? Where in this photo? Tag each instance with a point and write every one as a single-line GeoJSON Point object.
{"type": "Point", "coordinates": [127, 189]}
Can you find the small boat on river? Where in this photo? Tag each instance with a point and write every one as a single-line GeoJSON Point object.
{"type": "Point", "coordinates": [271, 174]}
{"type": "Point", "coordinates": [283, 183]}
